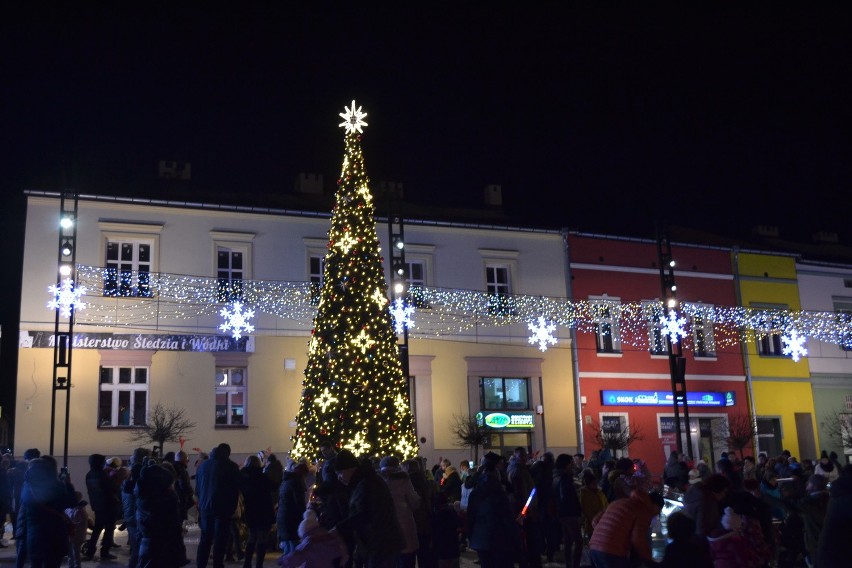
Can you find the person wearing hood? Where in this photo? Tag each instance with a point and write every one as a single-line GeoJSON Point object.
{"type": "Point", "coordinates": [371, 529]}
{"type": "Point", "coordinates": [292, 496]}
{"type": "Point", "coordinates": [318, 547]}
{"type": "Point", "coordinates": [257, 489]}
{"type": "Point", "coordinates": [406, 500]}
{"type": "Point", "coordinates": [217, 482]}
{"type": "Point", "coordinates": [491, 527]}
{"type": "Point", "coordinates": [621, 534]}
{"type": "Point", "coordinates": [42, 526]}
{"type": "Point", "coordinates": [158, 519]}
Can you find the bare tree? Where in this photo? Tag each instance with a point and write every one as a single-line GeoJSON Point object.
{"type": "Point", "coordinates": [616, 439]}
{"type": "Point", "coordinates": [469, 434]}
{"type": "Point", "coordinates": [837, 426]}
{"type": "Point", "coordinates": [737, 434]}
{"type": "Point", "coordinates": [164, 424]}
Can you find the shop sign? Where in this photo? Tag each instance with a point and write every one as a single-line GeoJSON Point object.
{"type": "Point", "coordinates": [141, 341]}
{"type": "Point", "coordinates": [665, 398]}
{"type": "Point", "coordinates": [506, 420]}
{"type": "Point", "coordinates": [611, 424]}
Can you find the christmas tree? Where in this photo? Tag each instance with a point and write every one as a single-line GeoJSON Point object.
{"type": "Point", "coordinates": [354, 392]}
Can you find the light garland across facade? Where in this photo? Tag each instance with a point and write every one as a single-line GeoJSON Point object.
{"type": "Point", "coordinates": [447, 312]}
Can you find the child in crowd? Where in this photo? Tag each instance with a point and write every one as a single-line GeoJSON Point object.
{"type": "Point", "coordinates": [318, 548]}
{"type": "Point", "coordinates": [80, 519]}
{"type": "Point", "coordinates": [592, 501]}
{"type": "Point", "coordinates": [685, 548]}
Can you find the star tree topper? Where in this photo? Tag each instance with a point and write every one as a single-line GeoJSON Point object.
{"type": "Point", "coordinates": [794, 345]}
{"type": "Point", "coordinates": [542, 333]}
{"type": "Point", "coordinates": [352, 119]}
{"type": "Point", "coordinates": [236, 320]}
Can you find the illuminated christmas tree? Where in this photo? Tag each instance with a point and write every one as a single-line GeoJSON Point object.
{"type": "Point", "coordinates": [354, 392]}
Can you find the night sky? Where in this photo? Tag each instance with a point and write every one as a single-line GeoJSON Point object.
{"type": "Point", "coordinates": [598, 120]}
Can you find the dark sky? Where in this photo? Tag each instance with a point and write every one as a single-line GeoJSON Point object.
{"type": "Point", "coordinates": [591, 119]}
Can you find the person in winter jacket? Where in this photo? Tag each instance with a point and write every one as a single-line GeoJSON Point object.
{"type": "Point", "coordinates": [423, 517]}
{"type": "Point", "coordinates": [42, 525]}
{"type": "Point", "coordinates": [568, 509]}
{"type": "Point", "coordinates": [826, 468]}
{"type": "Point", "coordinates": [685, 548]}
{"type": "Point", "coordinates": [371, 529]}
{"type": "Point", "coordinates": [702, 503]}
{"type": "Point", "coordinates": [450, 482]}
{"type": "Point", "coordinates": [292, 498]}
{"type": "Point", "coordinates": [592, 501]}
{"type": "Point", "coordinates": [256, 488]}
{"type": "Point", "coordinates": [835, 547]}
{"type": "Point", "coordinates": [217, 482]}
{"type": "Point", "coordinates": [621, 534]}
{"type": "Point", "coordinates": [522, 484]}
{"type": "Point", "coordinates": [728, 545]}
{"type": "Point", "coordinates": [491, 527]}
{"type": "Point", "coordinates": [318, 547]}
{"type": "Point", "coordinates": [80, 520]}
{"type": "Point", "coordinates": [101, 500]}
{"type": "Point", "coordinates": [445, 531]}
{"type": "Point", "coordinates": [158, 519]}
{"type": "Point", "coordinates": [406, 500]}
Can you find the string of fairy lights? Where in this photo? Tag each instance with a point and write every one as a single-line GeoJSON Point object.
{"type": "Point", "coordinates": [439, 312]}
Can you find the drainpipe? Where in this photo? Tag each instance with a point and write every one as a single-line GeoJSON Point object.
{"type": "Point", "coordinates": [744, 350]}
{"type": "Point", "coordinates": [575, 364]}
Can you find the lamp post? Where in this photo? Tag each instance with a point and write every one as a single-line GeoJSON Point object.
{"type": "Point", "coordinates": [66, 279]}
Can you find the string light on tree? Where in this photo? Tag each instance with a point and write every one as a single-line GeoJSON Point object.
{"type": "Point", "coordinates": [354, 392]}
{"type": "Point", "coordinates": [66, 297]}
{"type": "Point", "coordinates": [402, 316]}
{"type": "Point", "coordinates": [673, 326]}
{"type": "Point", "coordinates": [237, 320]}
{"type": "Point", "coordinates": [542, 333]}
{"type": "Point", "coordinates": [794, 345]}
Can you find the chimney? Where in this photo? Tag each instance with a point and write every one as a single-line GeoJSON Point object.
{"type": "Point", "coordinates": [765, 231]}
{"type": "Point", "coordinates": [825, 237]}
{"type": "Point", "coordinates": [309, 183]}
{"type": "Point", "coordinates": [175, 170]}
{"type": "Point", "coordinates": [494, 195]}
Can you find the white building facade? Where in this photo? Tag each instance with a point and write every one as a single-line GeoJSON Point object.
{"type": "Point", "coordinates": [157, 275]}
{"type": "Point", "coordinates": [828, 288]}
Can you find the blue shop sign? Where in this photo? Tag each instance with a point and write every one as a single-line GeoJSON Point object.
{"type": "Point", "coordinates": [664, 398]}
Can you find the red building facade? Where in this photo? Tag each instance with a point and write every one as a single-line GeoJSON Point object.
{"type": "Point", "coordinates": [623, 365]}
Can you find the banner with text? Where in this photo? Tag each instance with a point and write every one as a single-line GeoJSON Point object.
{"type": "Point", "coordinates": [141, 341]}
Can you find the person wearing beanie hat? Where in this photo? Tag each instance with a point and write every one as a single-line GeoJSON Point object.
{"type": "Point", "coordinates": [389, 463]}
{"type": "Point", "coordinates": [318, 547]}
{"type": "Point", "coordinates": [694, 476]}
{"type": "Point", "coordinates": [160, 528]}
{"type": "Point", "coordinates": [345, 460]}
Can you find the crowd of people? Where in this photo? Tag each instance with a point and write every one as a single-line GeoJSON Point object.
{"type": "Point", "coordinates": [376, 512]}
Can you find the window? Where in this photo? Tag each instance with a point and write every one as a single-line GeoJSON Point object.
{"type": "Point", "coordinates": [843, 309]}
{"type": "Point", "coordinates": [499, 393]}
{"type": "Point", "coordinates": [606, 325]}
{"type": "Point", "coordinates": [703, 342]}
{"type": "Point", "coordinates": [231, 396]}
{"type": "Point", "coordinates": [123, 396]}
{"type": "Point", "coordinates": [769, 436]}
{"type": "Point", "coordinates": [229, 274]}
{"type": "Point", "coordinates": [498, 286]}
{"type": "Point", "coordinates": [416, 283]}
{"type": "Point", "coordinates": [769, 344]}
{"type": "Point", "coordinates": [614, 430]}
{"type": "Point", "coordinates": [128, 268]}
{"type": "Point", "coordinates": [316, 265]}
{"type": "Point", "coordinates": [657, 344]}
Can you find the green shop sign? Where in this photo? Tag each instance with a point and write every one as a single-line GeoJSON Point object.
{"type": "Point", "coordinates": [506, 420]}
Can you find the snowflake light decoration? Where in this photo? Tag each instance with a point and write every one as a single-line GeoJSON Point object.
{"type": "Point", "coordinates": [352, 119]}
{"type": "Point", "coordinates": [66, 297]}
{"type": "Point", "coordinates": [363, 341]}
{"type": "Point", "coordinates": [542, 333]}
{"type": "Point", "coordinates": [673, 326]}
{"type": "Point", "coordinates": [364, 192]}
{"type": "Point", "coordinates": [402, 316]}
{"type": "Point", "coordinates": [359, 445]}
{"type": "Point", "coordinates": [400, 403]}
{"type": "Point", "coordinates": [405, 448]}
{"type": "Point", "coordinates": [236, 320]}
{"type": "Point", "coordinates": [794, 345]}
{"type": "Point", "coordinates": [325, 399]}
